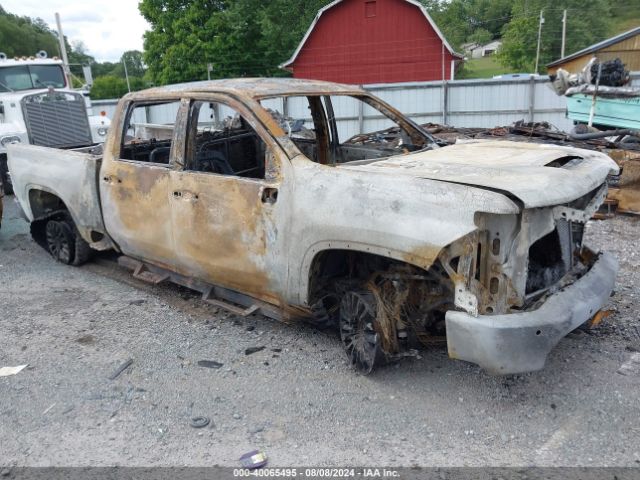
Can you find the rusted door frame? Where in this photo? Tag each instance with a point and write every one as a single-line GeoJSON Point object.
{"type": "Point", "coordinates": [224, 226]}
{"type": "Point", "coordinates": [134, 194]}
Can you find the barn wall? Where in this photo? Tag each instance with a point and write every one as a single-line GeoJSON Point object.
{"type": "Point", "coordinates": [355, 42]}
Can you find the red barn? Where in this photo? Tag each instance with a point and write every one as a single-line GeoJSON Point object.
{"type": "Point", "coordinates": [373, 41]}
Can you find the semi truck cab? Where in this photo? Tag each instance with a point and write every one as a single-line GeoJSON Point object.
{"type": "Point", "coordinates": [39, 107]}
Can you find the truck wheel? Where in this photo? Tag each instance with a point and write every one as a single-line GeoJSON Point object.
{"type": "Point", "coordinates": [5, 179]}
{"type": "Point", "coordinates": [60, 241]}
{"type": "Point", "coordinates": [360, 340]}
{"type": "Point", "coordinates": [65, 243]}
{"type": "Point", "coordinates": [83, 250]}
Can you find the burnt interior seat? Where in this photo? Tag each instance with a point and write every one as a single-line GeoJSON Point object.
{"type": "Point", "coordinates": [239, 152]}
{"type": "Point", "coordinates": [214, 162]}
{"type": "Point", "coordinates": [160, 155]}
{"type": "Point", "coordinates": [148, 151]}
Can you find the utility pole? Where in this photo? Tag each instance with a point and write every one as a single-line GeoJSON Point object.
{"type": "Point", "coordinates": [209, 70]}
{"type": "Point", "coordinates": [539, 39]}
{"type": "Point", "coordinates": [63, 51]}
{"type": "Point", "coordinates": [126, 73]}
{"type": "Point", "coordinates": [564, 32]}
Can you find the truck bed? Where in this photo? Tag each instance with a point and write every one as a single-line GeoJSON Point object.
{"type": "Point", "coordinates": [71, 175]}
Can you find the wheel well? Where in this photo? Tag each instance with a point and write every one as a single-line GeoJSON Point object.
{"type": "Point", "coordinates": [411, 302]}
{"type": "Point", "coordinates": [331, 264]}
{"type": "Point", "coordinates": [44, 206]}
{"type": "Point", "coordinates": [43, 203]}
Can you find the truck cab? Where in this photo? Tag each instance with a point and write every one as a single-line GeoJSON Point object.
{"type": "Point", "coordinates": [39, 107]}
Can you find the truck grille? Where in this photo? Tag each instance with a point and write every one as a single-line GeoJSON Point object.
{"type": "Point", "coordinates": [56, 119]}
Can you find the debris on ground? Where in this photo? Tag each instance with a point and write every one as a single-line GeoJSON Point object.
{"type": "Point", "coordinates": [210, 364]}
{"type": "Point", "coordinates": [252, 350]}
{"type": "Point", "coordinates": [8, 371]}
{"type": "Point", "coordinates": [254, 459]}
{"type": "Point", "coordinates": [121, 369]}
{"type": "Point", "coordinates": [86, 340]}
{"type": "Point", "coordinates": [598, 317]}
{"type": "Point", "coordinates": [631, 366]}
{"type": "Point", "coordinates": [199, 422]}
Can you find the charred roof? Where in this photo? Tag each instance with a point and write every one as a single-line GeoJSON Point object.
{"type": "Point", "coordinates": [253, 88]}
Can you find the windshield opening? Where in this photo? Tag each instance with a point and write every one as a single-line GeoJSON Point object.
{"type": "Point", "coordinates": [29, 77]}
{"type": "Point", "coordinates": [336, 129]}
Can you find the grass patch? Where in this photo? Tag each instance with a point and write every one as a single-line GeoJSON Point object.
{"type": "Point", "coordinates": [485, 67]}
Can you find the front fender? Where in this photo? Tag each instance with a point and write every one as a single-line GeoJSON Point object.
{"type": "Point", "coordinates": [423, 259]}
{"type": "Point", "coordinates": [408, 219]}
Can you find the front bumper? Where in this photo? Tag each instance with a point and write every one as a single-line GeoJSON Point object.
{"type": "Point", "coordinates": [520, 342]}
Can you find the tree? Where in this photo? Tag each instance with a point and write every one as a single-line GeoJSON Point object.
{"type": "Point", "coordinates": [114, 87]}
{"type": "Point", "coordinates": [469, 20]}
{"type": "Point", "coordinates": [585, 26]}
{"type": "Point", "coordinates": [480, 36]}
{"type": "Point", "coordinates": [452, 19]}
{"type": "Point", "coordinates": [135, 65]}
{"type": "Point", "coordinates": [23, 36]}
{"type": "Point", "coordinates": [489, 16]}
{"type": "Point", "coordinates": [182, 37]}
{"type": "Point", "coordinates": [78, 57]}
{"type": "Point", "coordinates": [237, 37]}
{"type": "Point", "coordinates": [284, 23]}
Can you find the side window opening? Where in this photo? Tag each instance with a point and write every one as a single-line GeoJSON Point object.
{"type": "Point", "coordinates": [335, 129]}
{"type": "Point", "coordinates": [221, 141]}
{"type": "Point", "coordinates": [148, 132]}
{"type": "Point", "coordinates": [302, 126]}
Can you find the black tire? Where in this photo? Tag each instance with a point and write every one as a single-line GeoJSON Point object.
{"type": "Point", "coordinates": [357, 330]}
{"type": "Point", "coordinates": [64, 242]}
{"type": "Point", "coordinates": [83, 250]}
{"type": "Point", "coordinates": [5, 178]}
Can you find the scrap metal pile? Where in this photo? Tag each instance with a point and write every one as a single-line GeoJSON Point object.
{"type": "Point", "coordinates": [601, 95]}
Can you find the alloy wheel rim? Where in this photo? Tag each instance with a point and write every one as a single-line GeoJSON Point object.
{"type": "Point", "coordinates": [58, 242]}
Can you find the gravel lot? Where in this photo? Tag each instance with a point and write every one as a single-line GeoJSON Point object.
{"type": "Point", "coordinates": [297, 399]}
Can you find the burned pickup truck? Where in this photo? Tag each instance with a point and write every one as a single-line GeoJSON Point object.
{"type": "Point", "coordinates": [393, 241]}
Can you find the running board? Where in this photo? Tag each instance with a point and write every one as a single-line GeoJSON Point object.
{"type": "Point", "coordinates": [235, 302]}
{"type": "Point", "coordinates": [236, 310]}
{"type": "Point", "coordinates": [141, 272]}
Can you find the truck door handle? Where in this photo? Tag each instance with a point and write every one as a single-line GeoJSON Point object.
{"type": "Point", "coordinates": [269, 195]}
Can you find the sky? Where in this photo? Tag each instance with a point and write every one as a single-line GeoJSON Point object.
{"type": "Point", "coordinates": [108, 28]}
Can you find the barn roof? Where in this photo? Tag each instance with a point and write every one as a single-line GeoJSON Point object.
{"type": "Point", "coordinates": [336, 2]}
{"type": "Point", "coordinates": [597, 46]}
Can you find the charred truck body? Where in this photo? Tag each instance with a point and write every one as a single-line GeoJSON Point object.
{"type": "Point", "coordinates": [38, 107]}
{"type": "Point", "coordinates": [395, 241]}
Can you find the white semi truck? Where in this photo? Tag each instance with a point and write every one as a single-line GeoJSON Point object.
{"type": "Point", "coordinates": [39, 107]}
